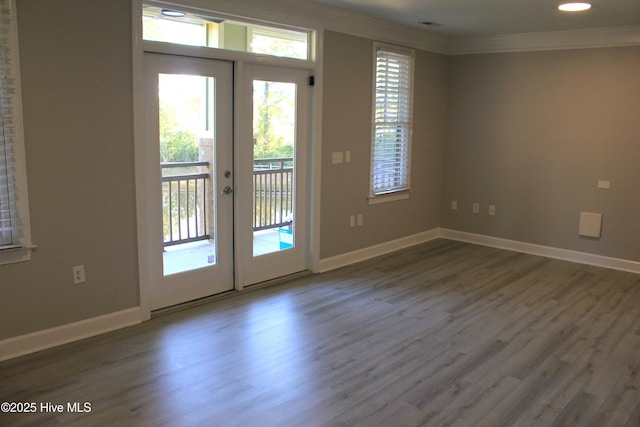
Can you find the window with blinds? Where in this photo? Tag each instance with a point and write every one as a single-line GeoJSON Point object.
{"type": "Point", "coordinates": [392, 120]}
{"type": "Point", "coordinates": [14, 232]}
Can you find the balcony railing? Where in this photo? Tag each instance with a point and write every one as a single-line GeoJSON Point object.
{"type": "Point", "coordinates": [184, 202]}
{"type": "Point", "coordinates": [272, 193]}
{"type": "Point", "coordinates": [187, 198]}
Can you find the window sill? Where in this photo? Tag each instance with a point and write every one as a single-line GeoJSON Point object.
{"type": "Point", "coordinates": [389, 197]}
{"type": "Point", "coordinates": [15, 255]}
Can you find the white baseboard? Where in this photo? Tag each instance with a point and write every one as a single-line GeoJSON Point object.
{"type": "Point", "coordinates": [338, 261]}
{"type": "Point", "coordinates": [545, 251]}
{"type": "Point", "coordinates": [40, 340]}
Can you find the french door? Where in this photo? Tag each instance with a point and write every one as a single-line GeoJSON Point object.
{"type": "Point", "coordinates": [271, 156]}
{"type": "Point", "coordinates": [223, 211]}
{"type": "Point", "coordinates": [189, 182]}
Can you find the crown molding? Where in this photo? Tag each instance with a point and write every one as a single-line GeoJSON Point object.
{"type": "Point", "coordinates": [345, 21]}
{"type": "Point", "coordinates": [319, 17]}
{"type": "Point", "coordinates": [554, 40]}
{"type": "Point", "coordinates": [348, 22]}
{"type": "Point", "coordinates": [322, 17]}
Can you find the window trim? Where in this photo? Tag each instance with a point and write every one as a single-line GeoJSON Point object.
{"type": "Point", "coordinates": [21, 250]}
{"type": "Point", "coordinates": [390, 195]}
{"type": "Point", "coordinates": [291, 34]}
{"type": "Point", "coordinates": [250, 24]}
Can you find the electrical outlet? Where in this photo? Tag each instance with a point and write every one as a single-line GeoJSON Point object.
{"type": "Point", "coordinates": [454, 205]}
{"type": "Point", "coordinates": [352, 221]}
{"type": "Point", "coordinates": [492, 210]}
{"type": "Point", "coordinates": [78, 275]}
{"type": "Point", "coordinates": [476, 208]}
{"type": "Point", "coordinates": [360, 219]}
{"type": "Point", "coordinates": [347, 156]}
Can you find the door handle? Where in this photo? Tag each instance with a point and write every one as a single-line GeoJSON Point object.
{"type": "Point", "coordinates": [226, 190]}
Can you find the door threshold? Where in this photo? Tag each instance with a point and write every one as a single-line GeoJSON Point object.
{"type": "Point", "coordinates": [228, 294]}
{"type": "Point", "coordinates": [277, 280]}
{"type": "Point", "coordinates": [194, 303]}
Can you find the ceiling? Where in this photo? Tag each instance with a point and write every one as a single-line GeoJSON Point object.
{"type": "Point", "coordinates": [494, 17]}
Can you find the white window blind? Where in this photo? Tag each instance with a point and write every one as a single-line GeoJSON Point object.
{"type": "Point", "coordinates": [393, 115]}
{"type": "Point", "coordinates": [13, 231]}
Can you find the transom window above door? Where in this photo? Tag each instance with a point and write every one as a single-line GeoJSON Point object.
{"type": "Point", "coordinates": [179, 26]}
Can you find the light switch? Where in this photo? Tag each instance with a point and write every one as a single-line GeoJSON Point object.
{"type": "Point", "coordinates": [336, 157]}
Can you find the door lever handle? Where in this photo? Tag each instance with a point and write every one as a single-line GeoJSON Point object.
{"type": "Point", "coordinates": [226, 190]}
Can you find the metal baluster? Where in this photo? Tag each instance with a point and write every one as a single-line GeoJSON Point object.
{"type": "Point", "coordinates": [188, 217]}
{"type": "Point", "coordinates": [170, 213]}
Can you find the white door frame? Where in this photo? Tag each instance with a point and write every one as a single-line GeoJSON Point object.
{"type": "Point", "coordinates": [240, 58]}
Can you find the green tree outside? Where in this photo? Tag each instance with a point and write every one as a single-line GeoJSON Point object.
{"type": "Point", "coordinates": [273, 130]}
{"type": "Point", "coordinates": [176, 145]}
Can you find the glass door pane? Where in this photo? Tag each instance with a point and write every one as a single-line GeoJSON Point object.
{"type": "Point", "coordinates": [270, 153]}
{"type": "Point", "coordinates": [274, 138]}
{"type": "Point", "coordinates": [188, 179]}
{"type": "Point", "coordinates": [187, 199]}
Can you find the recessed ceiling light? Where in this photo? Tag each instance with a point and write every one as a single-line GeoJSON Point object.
{"type": "Point", "coordinates": [173, 13]}
{"type": "Point", "coordinates": [574, 7]}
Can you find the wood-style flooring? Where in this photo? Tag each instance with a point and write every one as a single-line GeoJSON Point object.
{"type": "Point", "coordinates": [441, 334]}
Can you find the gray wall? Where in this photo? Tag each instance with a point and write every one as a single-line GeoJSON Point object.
{"type": "Point", "coordinates": [77, 88]}
{"type": "Point", "coordinates": [532, 133]}
{"type": "Point", "coordinates": [348, 74]}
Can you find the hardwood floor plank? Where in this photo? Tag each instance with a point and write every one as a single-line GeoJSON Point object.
{"type": "Point", "coordinates": [617, 409]}
{"type": "Point", "coordinates": [577, 412]}
{"type": "Point", "coordinates": [441, 334]}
